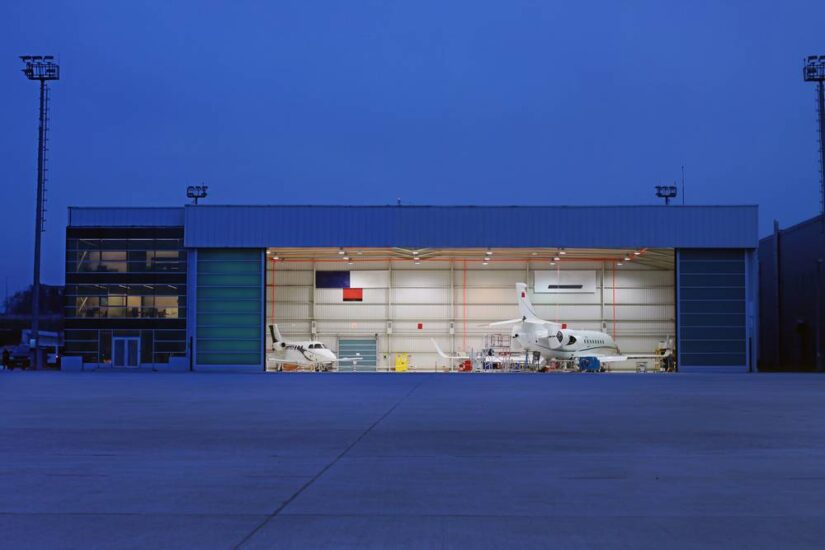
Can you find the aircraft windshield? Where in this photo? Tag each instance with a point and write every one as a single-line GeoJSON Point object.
{"type": "Point", "coordinates": [317, 345]}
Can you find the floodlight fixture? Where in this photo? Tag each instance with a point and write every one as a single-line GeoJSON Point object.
{"type": "Point", "coordinates": [196, 192]}
{"type": "Point", "coordinates": [666, 192]}
{"type": "Point", "coordinates": [40, 67]}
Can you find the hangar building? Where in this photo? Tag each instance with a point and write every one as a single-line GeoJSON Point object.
{"type": "Point", "coordinates": [791, 297]}
{"type": "Point", "coordinates": [196, 286]}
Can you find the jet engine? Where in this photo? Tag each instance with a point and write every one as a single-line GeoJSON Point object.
{"type": "Point", "coordinates": [562, 338]}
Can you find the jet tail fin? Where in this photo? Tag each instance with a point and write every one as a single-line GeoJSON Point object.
{"type": "Point", "coordinates": [525, 306]}
{"type": "Point", "coordinates": [276, 334]}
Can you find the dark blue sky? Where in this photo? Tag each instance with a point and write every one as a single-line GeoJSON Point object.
{"type": "Point", "coordinates": [434, 102]}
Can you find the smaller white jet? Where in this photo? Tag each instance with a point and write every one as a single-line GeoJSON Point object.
{"type": "Point", "coordinates": [307, 353]}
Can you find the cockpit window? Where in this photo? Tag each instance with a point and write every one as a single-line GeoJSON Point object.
{"type": "Point", "coordinates": [317, 346]}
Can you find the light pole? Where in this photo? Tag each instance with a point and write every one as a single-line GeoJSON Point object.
{"type": "Point", "coordinates": [41, 68]}
{"type": "Point", "coordinates": [814, 71]}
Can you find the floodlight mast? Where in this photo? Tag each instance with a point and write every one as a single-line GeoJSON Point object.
{"type": "Point", "coordinates": [814, 71]}
{"type": "Point", "coordinates": [41, 68]}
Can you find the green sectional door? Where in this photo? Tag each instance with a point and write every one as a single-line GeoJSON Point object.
{"type": "Point", "coordinates": [229, 307]}
{"type": "Point", "coordinates": [363, 348]}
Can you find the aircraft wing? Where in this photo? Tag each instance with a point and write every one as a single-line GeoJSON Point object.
{"type": "Point", "coordinates": [444, 355]}
{"type": "Point", "coordinates": [618, 358]}
{"type": "Point", "coordinates": [508, 322]}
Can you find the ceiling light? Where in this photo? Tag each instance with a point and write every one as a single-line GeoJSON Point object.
{"type": "Point", "coordinates": [415, 252]}
{"type": "Point", "coordinates": [619, 263]}
{"type": "Point", "coordinates": [552, 263]}
{"type": "Point", "coordinates": [556, 258]}
{"type": "Point", "coordinates": [360, 252]}
{"type": "Point", "coordinates": [341, 251]}
{"type": "Point", "coordinates": [637, 252]}
{"type": "Point", "coordinates": [275, 257]}
{"type": "Point", "coordinates": [562, 251]}
{"type": "Point", "coordinates": [627, 258]}
{"type": "Point", "coordinates": [349, 263]}
{"type": "Point", "coordinates": [534, 253]}
{"type": "Point", "coordinates": [489, 252]}
{"type": "Point", "coordinates": [417, 262]}
{"type": "Point", "coordinates": [345, 258]}
{"type": "Point", "coordinates": [484, 262]}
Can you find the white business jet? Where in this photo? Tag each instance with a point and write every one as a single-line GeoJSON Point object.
{"type": "Point", "coordinates": [308, 353]}
{"type": "Point", "coordinates": [551, 340]}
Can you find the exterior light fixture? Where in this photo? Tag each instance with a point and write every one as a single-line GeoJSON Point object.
{"type": "Point", "coordinates": [619, 264]}
{"type": "Point", "coordinates": [562, 251]}
{"type": "Point", "coordinates": [341, 251]}
{"type": "Point", "coordinates": [552, 263]}
{"type": "Point", "coordinates": [276, 257]}
{"type": "Point", "coordinates": [666, 192]}
{"type": "Point", "coordinates": [556, 258]}
{"type": "Point", "coordinates": [637, 252]}
{"type": "Point", "coordinates": [345, 258]}
{"type": "Point", "coordinates": [489, 252]}
{"type": "Point", "coordinates": [627, 258]}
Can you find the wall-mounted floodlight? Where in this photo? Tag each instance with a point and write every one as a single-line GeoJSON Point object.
{"type": "Point", "coordinates": [196, 192]}
{"type": "Point", "coordinates": [666, 192]}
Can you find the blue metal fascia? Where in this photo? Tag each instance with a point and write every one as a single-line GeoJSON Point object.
{"type": "Point", "coordinates": [208, 226]}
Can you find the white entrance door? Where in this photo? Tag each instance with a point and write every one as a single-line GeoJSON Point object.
{"type": "Point", "coordinates": [125, 351]}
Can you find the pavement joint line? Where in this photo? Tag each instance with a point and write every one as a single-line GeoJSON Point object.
{"type": "Point", "coordinates": [323, 470]}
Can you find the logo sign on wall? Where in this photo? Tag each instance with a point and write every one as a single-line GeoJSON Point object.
{"type": "Point", "coordinates": [564, 282]}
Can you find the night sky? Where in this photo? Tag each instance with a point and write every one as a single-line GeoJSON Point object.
{"type": "Point", "coordinates": [311, 102]}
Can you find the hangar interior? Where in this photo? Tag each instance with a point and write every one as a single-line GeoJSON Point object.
{"type": "Point", "coordinates": [381, 302]}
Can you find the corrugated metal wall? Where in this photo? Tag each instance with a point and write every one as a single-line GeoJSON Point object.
{"type": "Point", "coordinates": [434, 295]}
{"type": "Point", "coordinates": [467, 226]}
{"type": "Point", "coordinates": [788, 297]}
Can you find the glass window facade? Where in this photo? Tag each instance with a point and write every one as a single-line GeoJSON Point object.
{"type": "Point", "coordinates": [125, 282]}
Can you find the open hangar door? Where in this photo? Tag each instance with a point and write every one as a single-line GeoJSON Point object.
{"type": "Point", "coordinates": [402, 299]}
